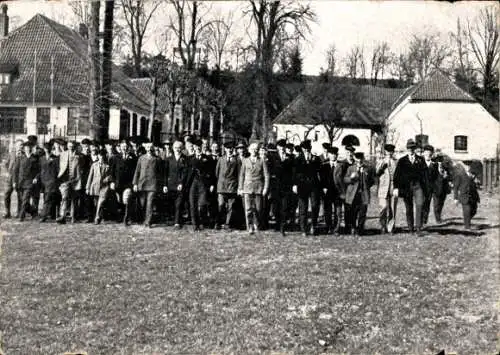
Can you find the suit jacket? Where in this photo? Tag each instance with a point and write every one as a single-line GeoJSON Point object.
{"type": "Point", "coordinates": [254, 177]}
{"type": "Point", "coordinates": [407, 174]}
{"type": "Point", "coordinates": [122, 169]}
{"type": "Point", "coordinates": [49, 168]}
{"type": "Point", "coordinates": [332, 178]}
{"type": "Point", "coordinates": [285, 170]}
{"type": "Point", "coordinates": [203, 169]}
{"type": "Point", "coordinates": [74, 177]}
{"type": "Point", "coordinates": [25, 170]}
{"type": "Point", "coordinates": [307, 174]}
{"type": "Point", "coordinates": [176, 172]}
{"type": "Point", "coordinates": [227, 174]}
{"type": "Point", "coordinates": [385, 172]}
{"type": "Point", "coordinates": [465, 189]}
{"type": "Point", "coordinates": [85, 164]}
{"type": "Point", "coordinates": [361, 182]}
{"type": "Point", "coordinates": [99, 177]}
{"type": "Point", "coordinates": [148, 173]}
{"type": "Point", "coordinates": [441, 185]}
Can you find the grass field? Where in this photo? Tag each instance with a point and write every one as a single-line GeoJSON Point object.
{"type": "Point", "coordinates": [110, 289]}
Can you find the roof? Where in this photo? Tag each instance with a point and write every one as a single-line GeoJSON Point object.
{"type": "Point", "coordinates": [378, 103]}
{"type": "Point", "coordinates": [436, 87]}
{"type": "Point", "coordinates": [63, 52]}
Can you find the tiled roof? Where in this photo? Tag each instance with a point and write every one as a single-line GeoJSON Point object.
{"type": "Point", "coordinates": [379, 102]}
{"type": "Point", "coordinates": [436, 87]}
{"type": "Point", "coordinates": [63, 52]}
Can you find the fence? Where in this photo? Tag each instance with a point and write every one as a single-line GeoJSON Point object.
{"type": "Point", "coordinates": [490, 174]}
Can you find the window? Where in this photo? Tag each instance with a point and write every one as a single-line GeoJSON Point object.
{"type": "Point", "coordinates": [461, 144]}
{"type": "Point", "coordinates": [42, 120]}
{"type": "Point", "coordinates": [5, 78]}
{"type": "Point", "coordinates": [13, 120]}
{"type": "Point", "coordinates": [78, 121]}
{"type": "Point", "coordinates": [316, 136]}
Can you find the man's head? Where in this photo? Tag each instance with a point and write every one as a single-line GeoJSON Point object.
{"type": "Point", "coordinates": [325, 146]}
{"type": "Point", "coordinates": [197, 147]}
{"type": "Point", "coordinates": [71, 146]}
{"type": "Point", "coordinates": [124, 146]}
{"type": "Point", "coordinates": [148, 146]}
{"type": "Point", "coordinates": [18, 145]}
{"type": "Point", "coordinates": [306, 146]}
{"type": "Point", "coordinates": [253, 149]}
{"type": "Point", "coordinates": [27, 148]}
{"type": "Point", "coordinates": [333, 153]}
{"type": "Point", "coordinates": [280, 146]}
{"type": "Point", "coordinates": [428, 152]}
{"type": "Point", "coordinates": [214, 148]}
{"type": "Point", "coordinates": [389, 148]}
{"type": "Point", "coordinates": [262, 151]}
{"type": "Point", "coordinates": [228, 148]}
{"type": "Point", "coordinates": [240, 148]}
{"type": "Point", "coordinates": [359, 157]}
{"type": "Point", "coordinates": [411, 146]}
{"type": "Point", "coordinates": [350, 152]}
{"type": "Point", "coordinates": [102, 155]}
{"type": "Point", "coordinates": [177, 147]}
{"type": "Point", "coordinates": [85, 143]}
{"type": "Point", "coordinates": [47, 148]}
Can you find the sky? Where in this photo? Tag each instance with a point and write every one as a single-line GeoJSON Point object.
{"type": "Point", "coordinates": [343, 23]}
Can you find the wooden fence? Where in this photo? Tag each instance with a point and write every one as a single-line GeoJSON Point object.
{"type": "Point", "coordinates": [490, 174]}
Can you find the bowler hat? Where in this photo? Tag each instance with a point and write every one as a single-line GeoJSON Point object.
{"type": "Point", "coordinates": [350, 148]}
{"type": "Point", "coordinates": [306, 144]}
{"type": "Point", "coordinates": [411, 144]}
{"type": "Point", "coordinates": [359, 155]}
{"type": "Point", "coordinates": [85, 141]}
{"type": "Point", "coordinates": [333, 150]}
{"type": "Point", "coordinates": [241, 145]}
{"type": "Point", "coordinates": [297, 148]}
{"type": "Point", "coordinates": [271, 147]}
{"type": "Point", "coordinates": [389, 147]}
{"type": "Point", "coordinates": [32, 139]}
{"type": "Point", "coordinates": [167, 142]}
{"type": "Point", "coordinates": [326, 145]}
{"type": "Point", "coordinates": [228, 145]}
{"type": "Point", "coordinates": [289, 146]}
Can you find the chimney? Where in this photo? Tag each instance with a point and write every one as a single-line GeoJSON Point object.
{"type": "Point", "coordinates": [83, 30]}
{"type": "Point", "coordinates": [4, 22]}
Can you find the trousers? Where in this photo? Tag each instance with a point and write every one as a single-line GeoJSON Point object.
{"type": "Point", "coordinates": [146, 201]}
{"type": "Point", "coordinates": [8, 194]}
{"type": "Point", "coordinates": [415, 196]}
{"type": "Point", "coordinates": [304, 208]}
{"type": "Point", "coordinates": [198, 202]}
{"type": "Point", "coordinates": [253, 209]}
{"type": "Point", "coordinates": [332, 205]}
{"type": "Point", "coordinates": [226, 208]}
{"type": "Point", "coordinates": [469, 211]}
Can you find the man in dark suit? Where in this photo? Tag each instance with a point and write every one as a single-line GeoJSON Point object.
{"type": "Point", "coordinates": [284, 181]}
{"type": "Point", "coordinates": [465, 192]}
{"type": "Point", "coordinates": [307, 185]}
{"type": "Point", "coordinates": [227, 175]}
{"type": "Point", "coordinates": [122, 169]}
{"type": "Point", "coordinates": [49, 167]}
{"type": "Point", "coordinates": [26, 172]}
{"type": "Point", "coordinates": [430, 175]}
{"type": "Point", "coordinates": [332, 183]}
{"type": "Point", "coordinates": [85, 204]}
{"type": "Point", "coordinates": [441, 189]}
{"type": "Point", "coordinates": [409, 183]}
{"type": "Point", "coordinates": [176, 171]}
{"type": "Point", "coordinates": [359, 178]}
{"type": "Point", "coordinates": [9, 164]}
{"type": "Point", "coordinates": [346, 163]}
{"type": "Point", "coordinates": [147, 181]}
{"type": "Point", "coordinates": [201, 181]}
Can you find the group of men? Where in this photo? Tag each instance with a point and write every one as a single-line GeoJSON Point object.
{"type": "Point", "coordinates": [189, 179]}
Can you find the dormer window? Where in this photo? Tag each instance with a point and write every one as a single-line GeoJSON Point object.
{"type": "Point", "coordinates": [7, 72]}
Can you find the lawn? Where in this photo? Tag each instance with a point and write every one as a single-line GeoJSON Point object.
{"type": "Point", "coordinates": [111, 289]}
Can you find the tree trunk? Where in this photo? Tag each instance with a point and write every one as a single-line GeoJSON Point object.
{"type": "Point", "coordinates": [107, 65]}
{"type": "Point", "coordinates": [94, 72]}
{"type": "Point", "coordinates": [152, 113]}
{"type": "Point", "coordinates": [211, 129]}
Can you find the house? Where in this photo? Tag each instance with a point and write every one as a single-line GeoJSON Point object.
{"type": "Point", "coordinates": [44, 84]}
{"type": "Point", "coordinates": [362, 123]}
{"type": "Point", "coordinates": [438, 112]}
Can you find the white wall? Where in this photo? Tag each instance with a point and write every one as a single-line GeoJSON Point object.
{"type": "Point", "coordinates": [296, 133]}
{"type": "Point", "coordinates": [58, 118]}
{"type": "Point", "coordinates": [442, 121]}
{"type": "Point", "coordinates": [114, 123]}
{"type": "Point", "coordinates": [31, 120]}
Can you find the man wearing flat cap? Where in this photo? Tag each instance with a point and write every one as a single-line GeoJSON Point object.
{"type": "Point", "coordinates": [332, 183]}
{"type": "Point", "coordinates": [409, 183]}
{"type": "Point", "coordinates": [324, 156]}
{"type": "Point", "coordinates": [359, 178]}
{"type": "Point", "coordinates": [387, 201]}
{"type": "Point", "coordinates": [307, 186]}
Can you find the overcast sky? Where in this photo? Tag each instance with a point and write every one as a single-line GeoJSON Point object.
{"type": "Point", "coordinates": [344, 23]}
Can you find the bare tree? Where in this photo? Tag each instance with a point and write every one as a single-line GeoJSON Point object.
{"type": "Point", "coordinates": [107, 55]}
{"type": "Point", "coordinates": [188, 27]}
{"type": "Point", "coordinates": [138, 15]}
{"type": "Point", "coordinates": [426, 53]}
{"type": "Point", "coordinates": [355, 63]}
{"type": "Point", "coordinates": [380, 60]}
{"type": "Point", "coordinates": [95, 114]}
{"type": "Point", "coordinates": [331, 60]}
{"type": "Point", "coordinates": [464, 70]}
{"type": "Point", "coordinates": [483, 38]}
{"type": "Point", "coordinates": [216, 38]}
{"type": "Point", "coordinates": [81, 11]}
{"type": "Point", "coordinates": [402, 68]}
{"type": "Point", "coordinates": [276, 23]}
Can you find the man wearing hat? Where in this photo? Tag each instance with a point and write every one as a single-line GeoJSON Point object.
{"type": "Point", "coordinates": [11, 162]}
{"type": "Point", "coordinates": [26, 172]}
{"type": "Point", "coordinates": [49, 168]}
{"type": "Point", "coordinates": [465, 193]}
{"type": "Point", "coordinates": [85, 203]}
{"type": "Point", "coordinates": [241, 150]}
{"type": "Point", "coordinates": [201, 181]}
{"type": "Point", "coordinates": [227, 175]}
{"type": "Point", "coordinates": [409, 183]}
{"type": "Point", "coordinates": [387, 201]}
{"type": "Point", "coordinates": [324, 156]}
{"type": "Point", "coordinates": [147, 181]}
{"type": "Point", "coordinates": [70, 177]}
{"type": "Point", "coordinates": [167, 149]}
{"type": "Point", "coordinates": [176, 171]}
{"type": "Point", "coordinates": [307, 185]}
{"type": "Point", "coordinates": [253, 184]}
{"type": "Point", "coordinates": [359, 178]}
{"type": "Point", "coordinates": [332, 183]}
{"type": "Point", "coordinates": [284, 179]}
{"type": "Point", "coordinates": [430, 174]}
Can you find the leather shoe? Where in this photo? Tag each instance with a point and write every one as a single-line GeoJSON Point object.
{"type": "Point", "coordinates": [61, 220]}
{"type": "Point", "coordinates": [7, 216]}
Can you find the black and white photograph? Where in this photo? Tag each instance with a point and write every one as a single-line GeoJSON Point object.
{"type": "Point", "coordinates": [249, 177]}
